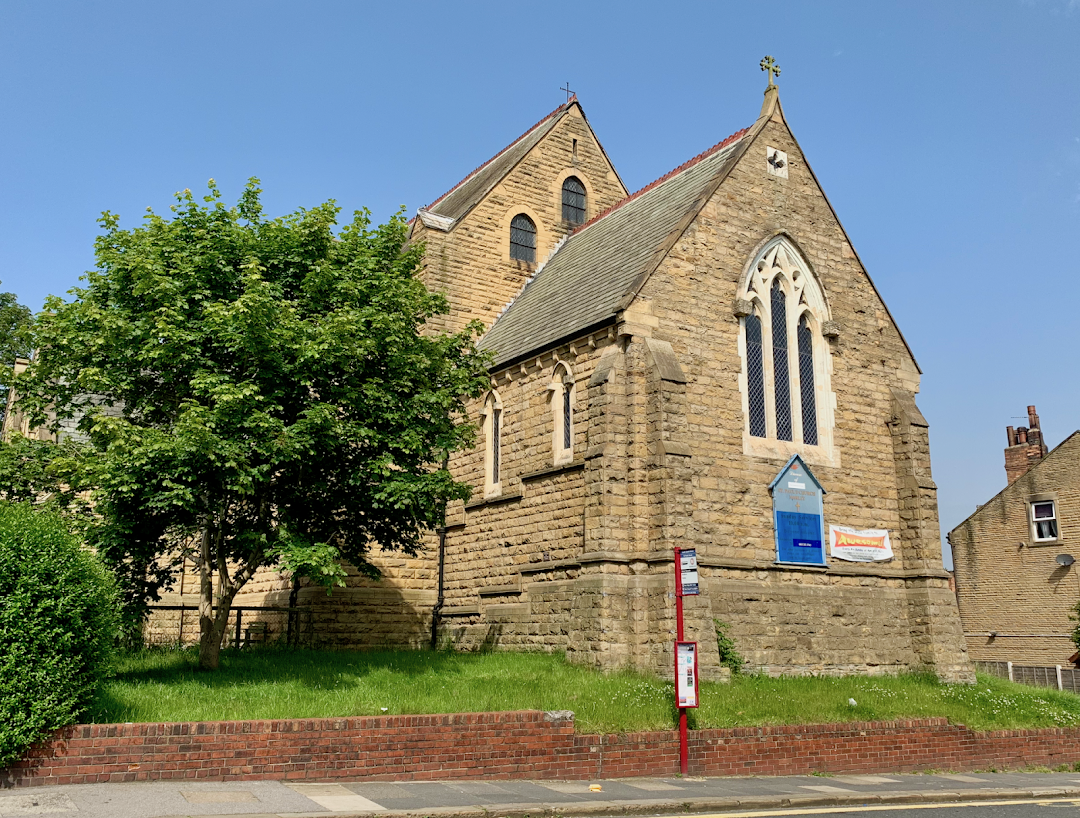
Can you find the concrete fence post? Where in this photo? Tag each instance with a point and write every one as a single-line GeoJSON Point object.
{"type": "Point", "coordinates": [1009, 668]}
{"type": "Point", "coordinates": [1060, 685]}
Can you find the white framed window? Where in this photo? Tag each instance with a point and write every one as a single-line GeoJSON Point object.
{"type": "Point", "coordinates": [785, 381]}
{"type": "Point", "coordinates": [1044, 524]}
{"type": "Point", "coordinates": [493, 428]}
{"type": "Point", "coordinates": [563, 396]}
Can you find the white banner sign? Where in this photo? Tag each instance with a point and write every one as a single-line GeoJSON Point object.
{"type": "Point", "coordinates": [688, 571]}
{"type": "Point", "coordinates": [686, 682]}
{"type": "Point", "coordinates": [855, 545]}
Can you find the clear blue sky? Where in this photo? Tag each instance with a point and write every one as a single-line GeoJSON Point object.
{"type": "Point", "coordinates": [947, 136]}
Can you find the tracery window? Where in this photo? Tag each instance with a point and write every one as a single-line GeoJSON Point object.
{"type": "Point", "coordinates": [493, 423]}
{"type": "Point", "coordinates": [562, 409]}
{"type": "Point", "coordinates": [786, 364]}
{"type": "Point", "coordinates": [573, 200]}
{"type": "Point", "coordinates": [523, 238]}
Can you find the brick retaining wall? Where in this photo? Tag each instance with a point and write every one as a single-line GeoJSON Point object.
{"type": "Point", "coordinates": [522, 744]}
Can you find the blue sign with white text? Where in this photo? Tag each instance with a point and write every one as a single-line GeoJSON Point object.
{"type": "Point", "coordinates": [798, 513]}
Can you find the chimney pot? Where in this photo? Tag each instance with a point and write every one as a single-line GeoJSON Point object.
{"type": "Point", "coordinates": [1026, 447]}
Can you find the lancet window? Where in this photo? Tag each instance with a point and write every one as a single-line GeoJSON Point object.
{"type": "Point", "coordinates": [493, 426]}
{"type": "Point", "coordinates": [563, 395]}
{"type": "Point", "coordinates": [786, 365]}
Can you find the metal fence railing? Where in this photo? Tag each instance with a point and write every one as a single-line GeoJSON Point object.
{"type": "Point", "coordinates": [1055, 676]}
{"type": "Point", "coordinates": [248, 624]}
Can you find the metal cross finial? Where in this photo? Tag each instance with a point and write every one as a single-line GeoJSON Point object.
{"type": "Point", "coordinates": [769, 64]}
{"type": "Point", "coordinates": [567, 89]}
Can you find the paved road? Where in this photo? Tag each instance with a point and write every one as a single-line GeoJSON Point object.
{"type": "Point", "coordinates": [1027, 809]}
{"type": "Point", "coordinates": [1044, 794]}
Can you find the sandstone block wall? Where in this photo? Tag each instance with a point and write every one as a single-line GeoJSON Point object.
{"type": "Point", "coordinates": [577, 556]}
{"type": "Point", "coordinates": [1009, 584]}
{"type": "Point", "coordinates": [472, 263]}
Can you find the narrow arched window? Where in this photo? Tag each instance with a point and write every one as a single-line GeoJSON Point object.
{"type": "Point", "coordinates": [496, 440]}
{"type": "Point", "coordinates": [573, 200]}
{"type": "Point", "coordinates": [806, 383]}
{"type": "Point", "coordinates": [755, 376]}
{"type": "Point", "coordinates": [493, 444]}
{"type": "Point", "coordinates": [523, 239]}
{"type": "Point", "coordinates": [562, 409]}
{"type": "Point", "coordinates": [780, 361]}
{"type": "Point", "coordinates": [567, 415]}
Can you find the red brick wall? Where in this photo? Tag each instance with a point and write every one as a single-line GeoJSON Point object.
{"type": "Point", "coordinates": [524, 744]}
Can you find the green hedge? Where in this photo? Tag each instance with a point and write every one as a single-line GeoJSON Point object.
{"type": "Point", "coordinates": [58, 621]}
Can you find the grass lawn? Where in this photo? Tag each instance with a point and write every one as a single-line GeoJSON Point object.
{"type": "Point", "coordinates": [165, 686]}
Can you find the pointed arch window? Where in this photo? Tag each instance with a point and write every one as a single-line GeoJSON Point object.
{"type": "Point", "coordinates": [808, 396]}
{"type": "Point", "coordinates": [781, 382]}
{"type": "Point", "coordinates": [755, 376]}
{"type": "Point", "coordinates": [523, 238]}
{"type": "Point", "coordinates": [573, 200]}
{"type": "Point", "coordinates": [786, 362]}
{"type": "Point", "coordinates": [562, 409]}
{"type": "Point", "coordinates": [493, 427]}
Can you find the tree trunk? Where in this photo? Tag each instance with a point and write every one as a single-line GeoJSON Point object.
{"type": "Point", "coordinates": [209, 647]}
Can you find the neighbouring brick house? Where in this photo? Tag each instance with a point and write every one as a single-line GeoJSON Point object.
{"type": "Point", "coordinates": [659, 358]}
{"type": "Point", "coordinates": [1015, 594]}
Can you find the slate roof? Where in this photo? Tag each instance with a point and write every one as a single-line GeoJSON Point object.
{"type": "Point", "coordinates": [467, 193]}
{"type": "Point", "coordinates": [582, 284]}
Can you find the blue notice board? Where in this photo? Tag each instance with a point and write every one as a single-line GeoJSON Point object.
{"type": "Point", "coordinates": [798, 514]}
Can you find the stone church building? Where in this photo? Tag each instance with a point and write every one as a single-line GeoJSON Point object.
{"type": "Point", "coordinates": [658, 358]}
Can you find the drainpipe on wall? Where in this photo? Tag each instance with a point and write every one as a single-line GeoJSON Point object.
{"type": "Point", "coordinates": [437, 610]}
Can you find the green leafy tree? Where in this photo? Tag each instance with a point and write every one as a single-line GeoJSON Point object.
{"type": "Point", "coordinates": [14, 342]}
{"type": "Point", "coordinates": [261, 389]}
{"type": "Point", "coordinates": [39, 471]}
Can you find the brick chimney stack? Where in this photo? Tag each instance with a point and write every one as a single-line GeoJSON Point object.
{"type": "Point", "coordinates": [1026, 447]}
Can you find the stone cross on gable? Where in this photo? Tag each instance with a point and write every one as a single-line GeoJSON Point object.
{"type": "Point", "coordinates": [769, 64]}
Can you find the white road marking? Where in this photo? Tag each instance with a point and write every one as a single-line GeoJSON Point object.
{"type": "Point", "coordinates": [882, 808]}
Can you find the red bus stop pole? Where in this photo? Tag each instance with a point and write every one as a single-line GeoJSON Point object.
{"type": "Point", "coordinates": [684, 753]}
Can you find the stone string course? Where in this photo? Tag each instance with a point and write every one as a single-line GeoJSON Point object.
{"type": "Point", "coordinates": [523, 744]}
